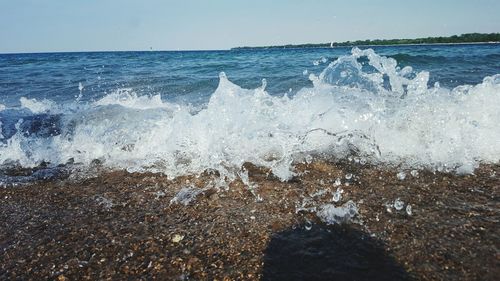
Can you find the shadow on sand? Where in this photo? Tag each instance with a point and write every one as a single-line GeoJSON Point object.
{"type": "Point", "coordinates": [328, 253]}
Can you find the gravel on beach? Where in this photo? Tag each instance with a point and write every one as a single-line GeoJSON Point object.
{"type": "Point", "coordinates": [414, 225]}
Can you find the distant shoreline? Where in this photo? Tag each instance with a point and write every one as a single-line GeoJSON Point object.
{"type": "Point", "coordinates": [351, 46]}
{"type": "Point", "coordinates": [464, 39]}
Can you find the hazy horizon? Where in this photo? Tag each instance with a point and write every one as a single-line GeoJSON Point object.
{"type": "Point", "coordinates": [127, 25]}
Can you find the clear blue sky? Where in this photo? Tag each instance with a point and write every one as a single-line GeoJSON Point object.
{"type": "Point", "coordinates": [89, 25]}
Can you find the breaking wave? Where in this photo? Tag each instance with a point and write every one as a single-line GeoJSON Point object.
{"type": "Point", "coordinates": [362, 106]}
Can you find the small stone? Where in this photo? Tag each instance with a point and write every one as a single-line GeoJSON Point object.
{"type": "Point", "coordinates": [177, 238]}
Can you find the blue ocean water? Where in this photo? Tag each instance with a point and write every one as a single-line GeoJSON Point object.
{"type": "Point", "coordinates": [192, 75]}
{"type": "Point", "coordinates": [426, 106]}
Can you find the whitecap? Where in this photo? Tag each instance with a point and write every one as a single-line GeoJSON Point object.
{"type": "Point", "coordinates": [378, 111]}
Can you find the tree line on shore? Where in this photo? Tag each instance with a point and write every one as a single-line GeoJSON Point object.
{"type": "Point", "coordinates": [455, 39]}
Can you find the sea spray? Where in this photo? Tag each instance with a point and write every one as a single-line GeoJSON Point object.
{"type": "Point", "coordinates": [361, 104]}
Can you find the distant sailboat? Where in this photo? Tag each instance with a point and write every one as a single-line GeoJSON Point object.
{"type": "Point", "coordinates": [331, 44]}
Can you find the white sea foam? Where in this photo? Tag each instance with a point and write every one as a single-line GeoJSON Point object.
{"type": "Point", "coordinates": [376, 110]}
{"type": "Point", "coordinates": [330, 214]}
{"type": "Point", "coordinates": [126, 97]}
{"type": "Point", "coordinates": [37, 106]}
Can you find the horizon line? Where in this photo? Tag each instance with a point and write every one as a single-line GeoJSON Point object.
{"type": "Point", "coordinates": [246, 48]}
{"type": "Point", "coordinates": [112, 51]}
{"type": "Point", "coordinates": [256, 47]}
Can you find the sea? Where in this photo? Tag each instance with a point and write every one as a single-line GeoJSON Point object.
{"type": "Point", "coordinates": [431, 107]}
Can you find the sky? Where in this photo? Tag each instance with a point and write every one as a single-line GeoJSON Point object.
{"type": "Point", "coordinates": [118, 25]}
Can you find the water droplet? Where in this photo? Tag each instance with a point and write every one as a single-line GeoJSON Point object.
{"type": "Point", "coordinates": [337, 182]}
{"type": "Point", "coordinates": [308, 226]}
{"type": "Point", "coordinates": [388, 207]}
{"type": "Point", "coordinates": [259, 198]}
{"type": "Point", "coordinates": [309, 159]}
{"type": "Point", "coordinates": [264, 84]}
{"type": "Point", "coordinates": [398, 204]}
{"type": "Point", "coordinates": [409, 210]}
{"type": "Point", "coordinates": [337, 196]}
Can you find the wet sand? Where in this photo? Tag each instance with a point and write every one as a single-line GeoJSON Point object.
{"type": "Point", "coordinates": [122, 226]}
